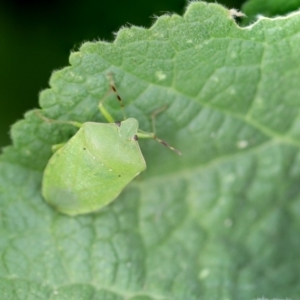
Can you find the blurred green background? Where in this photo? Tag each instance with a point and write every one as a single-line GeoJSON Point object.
{"type": "Point", "coordinates": [36, 38]}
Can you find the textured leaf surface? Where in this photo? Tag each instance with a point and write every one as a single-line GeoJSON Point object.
{"type": "Point", "coordinates": [220, 222]}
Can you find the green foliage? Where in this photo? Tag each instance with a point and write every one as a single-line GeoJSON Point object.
{"type": "Point", "coordinates": [37, 37]}
{"type": "Point", "coordinates": [220, 222]}
{"type": "Point", "coordinates": [268, 8]}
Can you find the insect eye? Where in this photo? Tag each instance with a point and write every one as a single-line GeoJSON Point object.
{"type": "Point", "coordinates": [118, 123]}
{"type": "Point", "coordinates": [135, 137]}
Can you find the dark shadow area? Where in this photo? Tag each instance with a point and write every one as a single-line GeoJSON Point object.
{"type": "Point", "coordinates": [36, 38]}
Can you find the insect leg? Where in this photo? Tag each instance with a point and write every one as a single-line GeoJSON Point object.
{"type": "Point", "coordinates": [47, 120]}
{"type": "Point", "coordinates": [148, 135]}
{"type": "Point", "coordinates": [153, 117]}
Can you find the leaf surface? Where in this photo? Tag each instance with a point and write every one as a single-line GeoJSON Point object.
{"type": "Point", "coordinates": [219, 222]}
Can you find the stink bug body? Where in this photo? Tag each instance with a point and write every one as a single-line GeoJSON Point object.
{"type": "Point", "coordinates": [94, 166]}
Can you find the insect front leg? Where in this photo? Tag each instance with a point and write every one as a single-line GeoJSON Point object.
{"type": "Point", "coordinates": [56, 147]}
{"type": "Point", "coordinates": [51, 121]}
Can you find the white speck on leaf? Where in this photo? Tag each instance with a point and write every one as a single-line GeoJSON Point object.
{"type": "Point", "coordinates": [232, 91]}
{"type": "Point", "coordinates": [233, 54]}
{"type": "Point", "coordinates": [242, 144]}
{"type": "Point", "coordinates": [204, 273]}
{"type": "Point", "coordinates": [160, 75]}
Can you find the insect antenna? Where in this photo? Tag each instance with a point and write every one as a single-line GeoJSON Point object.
{"type": "Point", "coordinates": [113, 88]}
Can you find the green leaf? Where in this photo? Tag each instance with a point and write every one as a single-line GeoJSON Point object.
{"type": "Point", "coordinates": [268, 8]}
{"type": "Point", "coordinates": [220, 222]}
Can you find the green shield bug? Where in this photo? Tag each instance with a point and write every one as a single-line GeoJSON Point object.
{"type": "Point", "coordinates": [93, 167]}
